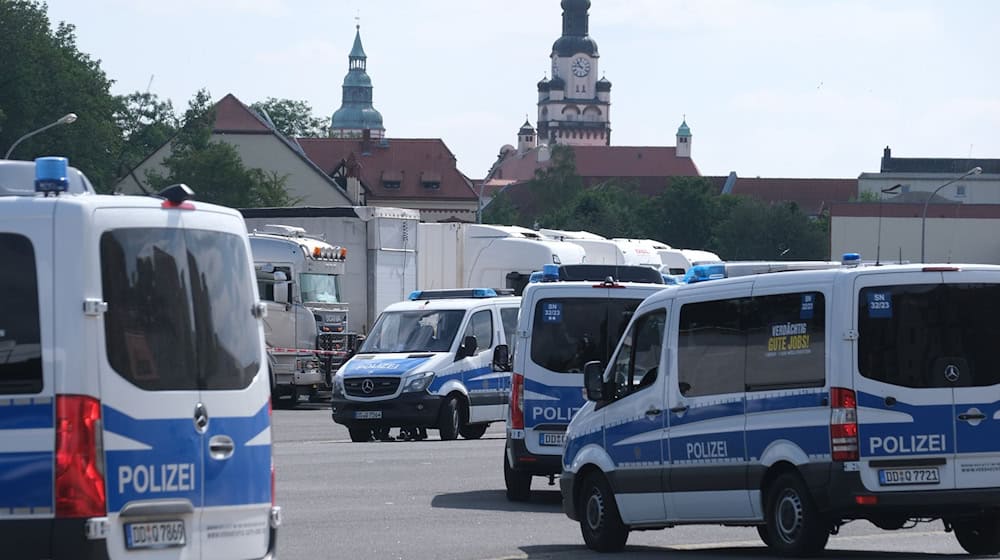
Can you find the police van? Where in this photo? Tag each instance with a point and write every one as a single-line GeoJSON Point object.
{"type": "Point", "coordinates": [134, 417]}
{"type": "Point", "coordinates": [574, 314]}
{"type": "Point", "coordinates": [796, 402]}
{"type": "Point", "coordinates": [427, 363]}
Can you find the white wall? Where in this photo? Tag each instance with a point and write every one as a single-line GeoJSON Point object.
{"type": "Point", "coordinates": [964, 240]}
{"type": "Point", "coordinates": [979, 189]}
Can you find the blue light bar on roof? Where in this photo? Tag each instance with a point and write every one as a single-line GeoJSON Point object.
{"type": "Point", "coordinates": [704, 273]}
{"type": "Point", "coordinates": [51, 175]}
{"type": "Point", "coordinates": [460, 293]}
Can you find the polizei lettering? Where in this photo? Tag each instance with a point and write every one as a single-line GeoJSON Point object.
{"type": "Point", "coordinates": [144, 479]}
{"type": "Point", "coordinates": [551, 413]}
{"type": "Point", "coordinates": [707, 450]}
{"type": "Point", "coordinates": [919, 443]}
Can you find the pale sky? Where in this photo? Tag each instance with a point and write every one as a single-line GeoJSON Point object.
{"type": "Point", "coordinates": [770, 88]}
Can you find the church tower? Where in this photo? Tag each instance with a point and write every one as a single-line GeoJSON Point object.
{"type": "Point", "coordinates": [356, 117]}
{"type": "Point", "coordinates": [683, 140]}
{"type": "Point", "coordinates": [574, 105]}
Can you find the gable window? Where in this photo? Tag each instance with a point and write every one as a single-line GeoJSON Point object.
{"type": "Point", "coordinates": [390, 184]}
{"type": "Point", "coordinates": [960, 191]}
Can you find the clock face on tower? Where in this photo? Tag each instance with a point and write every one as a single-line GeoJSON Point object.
{"type": "Point", "coordinates": [580, 67]}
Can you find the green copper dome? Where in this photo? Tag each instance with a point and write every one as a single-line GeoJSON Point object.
{"type": "Point", "coordinates": [356, 111]}
{"type": "Point", "coordinates": [683, 129]}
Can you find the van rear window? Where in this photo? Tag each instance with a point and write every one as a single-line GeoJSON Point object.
{"type": "Point", "coordinates": [20, 334]}
{"type": "Point", "coordinates": [178, 317]}
{"type": "Point", "coordinates": [569, 332]}
{"type": "Point", "coordinates": [909, 335]}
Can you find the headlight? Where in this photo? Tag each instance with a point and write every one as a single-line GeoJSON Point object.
{"type": "Point", "coordinates": [338, 384]}
{"type": "Point", "coordinates": [418, 382]}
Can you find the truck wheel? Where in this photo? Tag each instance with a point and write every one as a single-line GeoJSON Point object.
{"type": "Point", "coordinates": [451, 419]}
{"type": "Point", "coordinates": [600, 522]}
{"type": "Point", "coordinates": [473, 431]}
{"type": "Point", "coordinates": [359, 433]}
{"type": "Point", "coordinates": [794, 526]}
{"type": "Point", "coordinates": [285, 397]}
{"type": "Point", "coordinates": [980, 536]}
{"type": "Point", "coordinates": [518, 483]}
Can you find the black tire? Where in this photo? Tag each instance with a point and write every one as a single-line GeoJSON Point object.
{"type": "Point", "coordinates": [359, 433]}
{"type": "Point", "coordinates": [600, 522]}
{"type": "Point", "coordinates": [795, 526]}
{"type": "Point", "coordinates": [980, 536]}
{"type": "Point", "coordinates": [285, 397]}
{"type": "Point", "coordinates": [450, 420]}
{"type": "Point", "coordinates": [518, 483]}
{"type": "Point", "coordinates": [473, 431]}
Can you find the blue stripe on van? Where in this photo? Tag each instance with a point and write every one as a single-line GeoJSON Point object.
{"type": "Point", "coordinates": [26, 480]}
{"type": "Point", "coordinates": [813, 440]}
{"type": "Point", "coordinates": [163, 471]}
{"type": "Point", "coordinates": [559, 409]}
{"type": "Point", "coordinates": [787, 402]}
{"type": "Point", "coordinates": [15, 416]}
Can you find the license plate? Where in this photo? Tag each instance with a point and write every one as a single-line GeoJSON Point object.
{"type": "Point", "coordinates": [925, 475]}
{"type": "Point", "coordinates": [368, 414]}
{"type": "Point", "coordinates": [552, 439]}
{"type": "Point", "coordinates": [157, 534]}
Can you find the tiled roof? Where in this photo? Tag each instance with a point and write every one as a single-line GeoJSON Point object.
{"type": "Point", "coordinates": [812, 196]}
{"type": "Point", "coordinates": [602, 162]}
{"type": "Point", "coordinates": [411, 162]}
{"type": "Point", "coordinates": [951, 166]}
{"type": "Point", "coordinates": [231, 115]}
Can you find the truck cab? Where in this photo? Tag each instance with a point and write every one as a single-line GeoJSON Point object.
{"type": "Point", "coordinates": [298, 278]}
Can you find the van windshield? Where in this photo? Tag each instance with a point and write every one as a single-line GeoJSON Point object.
{"type": "Point", "coordinates": [910, 335]}
{"type": "Point", "coordinates": [567, 333]}
{"type": "Point", "coordinates": [179, 317]}
{"type": "Point", "coordinates": [413, 331]}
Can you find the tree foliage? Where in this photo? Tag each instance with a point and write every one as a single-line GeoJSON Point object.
{"type": "Point", "coordinates": [146, 124]}
{"type": "Point", "coordinates": [214, 170]}
{"type": "Point", "coordinates": [43, 76]}
{"type": "Point", "coordinates": [291, 118]}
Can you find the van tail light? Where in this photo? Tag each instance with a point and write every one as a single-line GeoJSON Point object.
{"type": "Point", "coordinates": [80, 490]}
{"type": "Point", "coordinates": [517, 401]}
{"type": "Point", "coordinates": [843, 424]}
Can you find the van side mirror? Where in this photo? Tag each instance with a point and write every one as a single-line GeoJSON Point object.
{"type": "Point", "coordinates": [593, 381]}
{"type": "Point", "coordinates": [501, 358]}
{"type": "Point", "coordinates": [467, 348]}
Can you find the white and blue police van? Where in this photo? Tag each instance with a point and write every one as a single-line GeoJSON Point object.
{"type": "Point", "coordinates": [428, 363]}
{"type": "Point", "coordinates": [796, 402]}
{"type": "Point", "coordinates": [571, 315]}
{"type": "Point", "coordinates": [134, 414]}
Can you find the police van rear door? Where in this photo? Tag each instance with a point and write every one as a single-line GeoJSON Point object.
{"type": "Point", "coordinates": [910, 334]}
{"type": "Point", "coordinates": [185, 413]}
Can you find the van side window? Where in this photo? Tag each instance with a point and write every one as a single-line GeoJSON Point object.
{"type": "Point", "coordinates": [786, 342]}
{"type": "Point", "coordinates": [20, 331]}
{"type": "Point", "coordinates": [508, 315]}
{"type": "Point", "coordinates": [711, 348]}
{"type": "Point", "coordinates": [637, 362]}
{"type": "Point", "coordinates": [481, 327]}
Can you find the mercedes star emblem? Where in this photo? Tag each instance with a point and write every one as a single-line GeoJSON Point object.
{"type": "Point", "coordinates": [952, 373]}
{"type": "Point", "coordinates": [367, 386]}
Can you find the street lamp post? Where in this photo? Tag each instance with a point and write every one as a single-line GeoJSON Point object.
{"type": "Point", "coordinates": [878, 243]}
{"type": "Point", "coordinates": [923, 217]}
{"type": "Point", "coordinates": [65, 119]}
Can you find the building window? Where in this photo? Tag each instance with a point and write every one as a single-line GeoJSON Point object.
{"type": "Point", "coordinates": [682, 140]}
{"type": "Point", "coordinates": [905, 189]}
{"type": "Point", "coordinates": [390, 184]}
{"type": "Point", "coordinates": [960, 191]}
{"type": "Point", "coordinates": [434, 185]}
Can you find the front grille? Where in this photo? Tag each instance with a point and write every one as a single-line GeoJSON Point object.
{"type": "Point", "coordinates": [380, 386]}
{"type": "Point", "coordinates": [332, 341]}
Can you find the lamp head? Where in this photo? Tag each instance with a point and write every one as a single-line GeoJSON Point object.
{"type": "Point", "coordinates": [975, 170]}
{"type": "Point", "coordinates": [67, 118]}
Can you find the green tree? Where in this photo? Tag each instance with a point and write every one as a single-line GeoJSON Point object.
{"type": "Point", "coordinates": [610, 209]}
{"type": "Point", "coordinates": [214, 170]}
{"type": "Point", "coordinates": [146, 123]}
{"type": "Point", "coordinates": [754, 230]}
{"type": "Point", "coordinates": [683, 215]}
{"type": "Point", "coordinates": [292, 118]}
{"type": "Point", "coordinates": [555, 185]}
{"type": "Point", "coordinates": [43, 76]}
{"type": "Point", "coordinates": [501, 211]}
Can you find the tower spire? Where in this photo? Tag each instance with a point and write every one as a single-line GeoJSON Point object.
{"type": "Point", "coordinates": [356, 117]}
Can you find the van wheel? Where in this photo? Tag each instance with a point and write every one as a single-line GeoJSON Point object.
{"type": "Point", "coordinates": [473, 431]}
{"type": "Point", "coordinates": [518, 483]}
{"type": "Point", "coordinates": [794, 525]}
{"type": "Point", "coordinates": [979, 536]}
{"type": "Point", "coordinates": [600, 522]}
{"type": "Point", "coordinates": [359, 433]}
{"type": "Point", "coordinates": [451, 419]}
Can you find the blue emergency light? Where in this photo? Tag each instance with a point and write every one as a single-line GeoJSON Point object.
{"type": "Point", "coordinates": [850, 259]}
{"type": "Point", "coordinates": [550, 272]}
{"type": "Point", "coordinates": [458, 293]}
{"type": "Point", "coordinates": [50, 175]}
{"type": "Point", "coordinates": [705, 272]}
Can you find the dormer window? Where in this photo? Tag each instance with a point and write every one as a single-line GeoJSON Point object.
{"type": "Point", "coordinates": [390, 184]}
{"type": "Point", "coordinates": [433, 185]}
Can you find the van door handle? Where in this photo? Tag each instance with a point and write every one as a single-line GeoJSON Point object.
{"type": "Point", "coordinates": [679, 409]}
{"type": "Point", "coordinates": [653, 411]}
{"type": "Point", "coordinates": [890, 401]}
{"type": "Point", "coordinates": [221, 447]}
{"type": "Point", "coordinates": [965, 417]}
